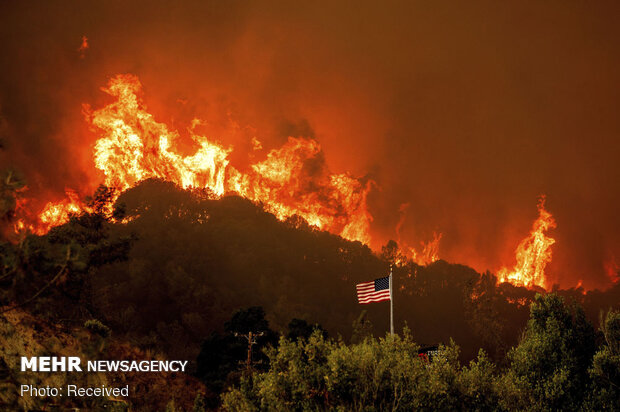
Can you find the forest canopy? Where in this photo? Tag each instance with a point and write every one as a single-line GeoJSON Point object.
{"type": "Point", "coordinates": [182, 264]}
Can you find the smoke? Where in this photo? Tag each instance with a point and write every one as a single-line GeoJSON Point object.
{"type": "Point", "coordinates": [466, 112]}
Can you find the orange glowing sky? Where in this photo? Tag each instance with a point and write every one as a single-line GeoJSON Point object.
{"type": "Point", "coordinates": [465, 112]}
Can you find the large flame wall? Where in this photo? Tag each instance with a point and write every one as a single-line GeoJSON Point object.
{"type": "Point", "coordinates": [465, 112]}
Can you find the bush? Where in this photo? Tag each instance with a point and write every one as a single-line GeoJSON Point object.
{"type": "Point", "coordinates": [376, 374]}
{"type": "Point", "coordinates": [554, 367]}
{"type": "Point", "coordinates": [97, 327]}
{"type": "Point", "coordinates": [549, 368]}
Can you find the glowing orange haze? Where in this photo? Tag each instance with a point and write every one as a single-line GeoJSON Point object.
{"type": "Point", "coordinates": [292, 180]}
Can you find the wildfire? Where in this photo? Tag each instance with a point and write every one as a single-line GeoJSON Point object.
{"type": "Point", "coordinates": [533, 253]}
{"type": "Point", "coordinates": [55, 214]}
{"type": "Point", "coordinates": [612, 269]}
{"type": "Point", "coordinates": [292, 180]}
{"type": "Point", "coordinates": [83, 47]}
{"type": "Point", "coordinates": [429, 251]}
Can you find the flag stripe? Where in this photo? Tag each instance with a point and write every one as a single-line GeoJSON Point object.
{"type": "Point", "coordinates": [365, 302]}
{"type": "Point", "coordinates": [377, 298]}
{"type": "Point", "coordinates": [374, 295]}
{"type": "Point", "coordinates": [375, 291]}
{"type": "Point", "coordinates": [369, 292]}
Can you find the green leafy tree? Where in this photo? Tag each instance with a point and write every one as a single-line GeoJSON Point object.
{"type": "Point", "coordinates": [477, 385]}
{"type": "Point", "coordinates": [549, 368]}
{"type": "Point", "coordinates": [375, 374]}
{"type": "Point", "coordinates": [362, 328]}
{"type": "Point", "coordinates": [200, 404]}
{"type": "Point", "coordinates": [301, 329]}
{"type": "Point", "coordinates": [381, 374]}
{"type": "Point", "coordinates": [605, 370]}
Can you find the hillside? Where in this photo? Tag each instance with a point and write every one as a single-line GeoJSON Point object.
{"type": "Point", "coordinates": [170, 276]}
{"type": "Point", "coordinates": [22, 334]}
{"type": "Point", "coordinates": [195, 260]}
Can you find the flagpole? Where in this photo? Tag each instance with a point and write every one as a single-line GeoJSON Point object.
{"type": "Point", "coordinates": [391, 304]}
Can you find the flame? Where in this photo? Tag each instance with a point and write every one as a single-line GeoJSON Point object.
{"type": "Point", "coordinates": [430, 250]}
{"type": "Point", "coordinates": [57, 213]}
{"type": "Point", "coordinates": [533, 253]}
{"type": "Point", "coordinates": [83, 47]}
{"type": "Point", "coordinates": [134, 147]}
{"type": "Point", "coordinates": [53, 214]}
{"type": "Point", "coordinates": [292, 180]}
{"type": "Point", "coordinates": [256, 144]}
{"type": "Point", "coordinates": [521, 302]}
{"type": "Point", "coordinates": [612, 269]}
{"type": "Point", "coordinates": [20, 223]}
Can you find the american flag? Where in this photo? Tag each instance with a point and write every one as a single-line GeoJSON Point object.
{"type": "Point", "coordinates": [375, 291]}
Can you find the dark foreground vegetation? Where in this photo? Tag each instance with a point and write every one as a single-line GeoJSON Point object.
{"type": "Point", "coordinates": [170, 278]}
{"type": "Point", "coordinates": [558, 365]}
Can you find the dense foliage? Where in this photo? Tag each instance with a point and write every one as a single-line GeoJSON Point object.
{"type": "Point", "coordinates": [548, 370]}
{"type": "Point", "coordinates": [169, 278]}
{"type": "Point", "coordinates": [52, 275]}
